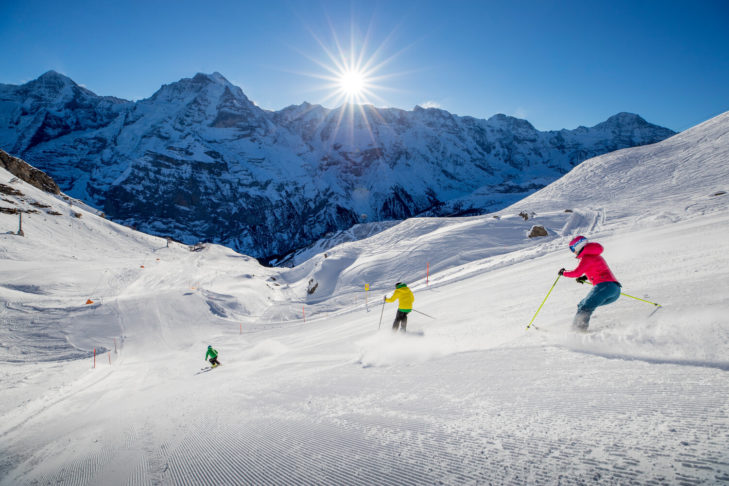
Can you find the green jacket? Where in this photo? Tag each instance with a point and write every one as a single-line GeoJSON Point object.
{"type": "Point", "coordinates": [211, 353]}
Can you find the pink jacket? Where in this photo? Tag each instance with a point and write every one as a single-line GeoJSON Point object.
{"type": "Point", "coordinates": [592, 265]}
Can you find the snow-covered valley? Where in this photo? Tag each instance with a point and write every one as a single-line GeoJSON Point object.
{"type": "Point", "coordinates": [316, 389]}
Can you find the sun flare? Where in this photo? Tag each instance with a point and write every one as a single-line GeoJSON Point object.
{"type": "Point", "coordinates": [352, 83]}
{"type": "Point", "coordinates": [354, 75]}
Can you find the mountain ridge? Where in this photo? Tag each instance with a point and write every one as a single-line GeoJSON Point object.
{"type": "Point", "coordinates": [198, 160]}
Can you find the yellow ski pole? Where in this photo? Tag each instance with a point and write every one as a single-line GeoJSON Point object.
{"type": "Point", "coordinates": [545, 299]}
{"type": "Point", "coordinates": [642, 300]}
{"type": "Point", "coordinates": [636, 298]}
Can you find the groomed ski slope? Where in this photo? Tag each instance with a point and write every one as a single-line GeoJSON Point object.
{"type": "Point", "coordinates": [469, 397]}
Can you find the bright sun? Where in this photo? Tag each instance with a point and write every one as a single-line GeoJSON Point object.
{"type": "Point", "coordinates": [353, 73]}
{"type": "Point", "coordinates": [352, 83]}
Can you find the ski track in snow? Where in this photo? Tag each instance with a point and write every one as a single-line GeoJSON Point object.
{"type": "Point", "coordinates": [389, 426]}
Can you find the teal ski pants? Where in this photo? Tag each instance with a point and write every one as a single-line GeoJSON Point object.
{"type": "Point", "coordinates": [601, 294]}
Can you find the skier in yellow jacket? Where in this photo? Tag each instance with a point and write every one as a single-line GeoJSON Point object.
{"type": "Point", "coordinates": [405, 299]}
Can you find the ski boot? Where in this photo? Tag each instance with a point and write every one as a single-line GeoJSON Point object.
{"type": "Point", "coordinates": [581, 320]}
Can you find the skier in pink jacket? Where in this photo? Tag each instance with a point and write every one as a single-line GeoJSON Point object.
{"type": "Point", "coordinates": [592, 267]}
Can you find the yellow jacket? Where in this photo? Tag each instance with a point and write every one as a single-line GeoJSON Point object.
{"type": "Point", "coordinates": [405, 297]}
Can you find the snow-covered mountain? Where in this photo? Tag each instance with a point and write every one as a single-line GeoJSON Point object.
{"type": "Point", "coordinates": [199, 161]}
{"type": "Point", "coordinates": [314, 389]}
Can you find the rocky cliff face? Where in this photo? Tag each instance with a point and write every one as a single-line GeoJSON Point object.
{"type": "Point", "coordinates": [199, 161]}
{"type": "Point", "coordinates": [26, 172]}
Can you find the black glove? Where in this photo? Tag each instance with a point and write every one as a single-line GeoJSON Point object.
{"type": "Point", "coordinates": [582, 279]}
{"type": "Point", "coordinates": [384, 298]}
{"type": "Point", "coordinates": [561, 271]}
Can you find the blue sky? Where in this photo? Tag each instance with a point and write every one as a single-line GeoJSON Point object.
{"type": "Point", "coordinates": [557, 64]}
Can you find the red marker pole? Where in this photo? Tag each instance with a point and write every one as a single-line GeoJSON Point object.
{"type": "Point", "coordinates": [427, 274]}
{"type": "Point", "coordinates": [109, 358]}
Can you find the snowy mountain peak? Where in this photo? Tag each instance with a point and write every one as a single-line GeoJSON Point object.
{"type": "Point", "coordinates": [204, 88]}
{"type": "Point", "coordinates": [215, 77]}
{"type": "Point", "coordinates": [205, 100]}
{"type": "Point", "coordinates": [305, 112]}
{"type": "Point", "coordinates": [54, 78]}
{"type": "Point", "coordinates": [511, 122]}
{"type": "Point", "coordinates": [628, 128]}
{"type": "Point", "coordinates": [51, 87]}
{"type": "Point", "coordinates": [623, 119]}
{"type": "Point", "coordinates": [184, 87]}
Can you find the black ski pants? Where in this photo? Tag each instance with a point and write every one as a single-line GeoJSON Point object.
{"type": "Point", "coordinates": [401, 321]}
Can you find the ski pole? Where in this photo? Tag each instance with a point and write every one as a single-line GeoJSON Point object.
{"type": "Point", "coordinates": [426, 315]}
{"type": "Point", "coordinates": [636, 298]}
{"type": "Point", "coordinates": [642, 300]}
{"type": "Point", "coordinates": [540, 305]}
{"type": "Point", "coordinates": [381, 313]}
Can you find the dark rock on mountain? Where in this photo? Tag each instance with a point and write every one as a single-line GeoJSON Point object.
{"type": "Point", "coordinates": [25, 172]}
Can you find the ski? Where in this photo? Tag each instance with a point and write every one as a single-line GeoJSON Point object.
{"type": "Point", "coordinates": [207, 368]}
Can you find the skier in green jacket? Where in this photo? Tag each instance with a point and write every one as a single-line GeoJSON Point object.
{"type": "Point", "coordinates": [213, 356]}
